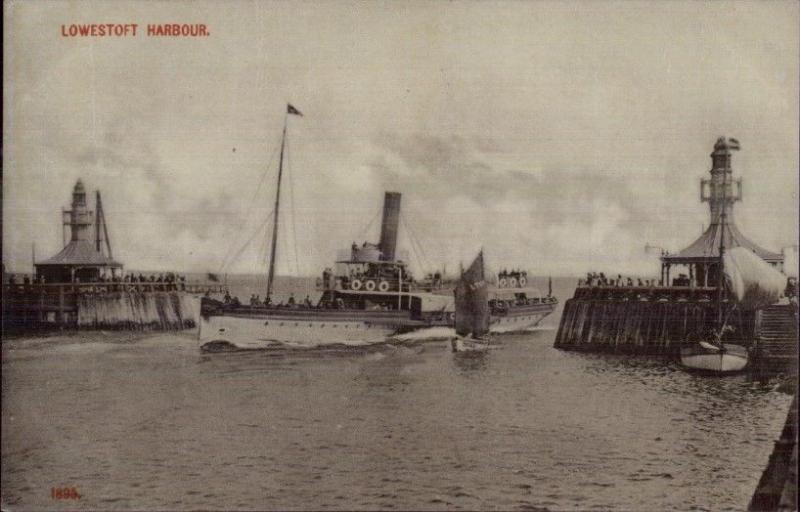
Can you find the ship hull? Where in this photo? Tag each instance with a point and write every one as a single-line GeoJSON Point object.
{"type": "Point", "coordinates": [298, 328]}
{"type": "Point", "coordinates": [711, 359]}
{"type": "Point", "coordinates": [519, 319]}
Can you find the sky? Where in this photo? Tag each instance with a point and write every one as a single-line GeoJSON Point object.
{"type": "Point", "coordinates": [561, 137]}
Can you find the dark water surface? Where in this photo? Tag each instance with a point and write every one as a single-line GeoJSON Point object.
{"type": "Point", "coordinates": [151, 423]}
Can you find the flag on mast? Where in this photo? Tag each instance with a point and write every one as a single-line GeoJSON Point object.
{"type": "Point", "coordinates": [291, 110]}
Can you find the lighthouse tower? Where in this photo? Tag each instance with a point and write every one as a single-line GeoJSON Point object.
{"type": "Point", "coordinates": [721, 186]}
{"type": "Point", "coordinates": [85, 257]}
{"type": "Point", "coordinates": [702, 256]}
{"type": "Point", "coordinates": [80, 218]}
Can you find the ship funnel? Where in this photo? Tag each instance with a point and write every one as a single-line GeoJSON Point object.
{"type": "Point", "coordinates": [390, 225]}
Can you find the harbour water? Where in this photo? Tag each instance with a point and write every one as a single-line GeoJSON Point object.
{"type": "Point", "coordinates": [145, 421]}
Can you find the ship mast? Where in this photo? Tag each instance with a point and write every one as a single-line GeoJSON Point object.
{"type": "Point", "coordinates": [271, 274]}
{"type": "Point", "coordinates": [724, 153]}
{"type": "Point", "coordinates": [722, 217]}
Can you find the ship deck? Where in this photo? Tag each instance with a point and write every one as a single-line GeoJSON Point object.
{"type": "Point", "coordinates": [304, 313]}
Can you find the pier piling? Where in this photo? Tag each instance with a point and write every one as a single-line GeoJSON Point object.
{"type": "Point", "coordinates": [641, 320]}
{"type": "Point", "coordinates": [100, 306]}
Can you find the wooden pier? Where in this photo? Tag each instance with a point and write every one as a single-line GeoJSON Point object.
{"type": "Point", "coordinates": [605, 315]}
{"type": "Point", "coordinates": [88, 289]}
{"type": "Point", "coordinates": [101, 305]}
{"type": "Point", "coordinates": [642, 320]}
{"type": "Point", "coordinates": [777, 489]}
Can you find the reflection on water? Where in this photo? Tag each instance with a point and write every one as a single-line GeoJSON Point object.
{"type": "Point", "coordinates": [469, 362]}
{"type": "Point", "coordinates": [156, 424]}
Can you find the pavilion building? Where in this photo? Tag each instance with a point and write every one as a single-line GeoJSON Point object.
{"type": "Point", "coordinates": [85, 258]}
{"type": "Point", "coordinates": [702, 256]}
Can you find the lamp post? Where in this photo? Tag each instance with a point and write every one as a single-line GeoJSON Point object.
{"type": "Point", "coordinates": [648, 248]}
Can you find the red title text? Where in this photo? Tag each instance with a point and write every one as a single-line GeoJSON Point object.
{"type": "Point", "coordinates": [133, 30]}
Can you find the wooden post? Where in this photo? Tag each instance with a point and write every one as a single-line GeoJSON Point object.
{"type": "Point", "coordinates": [60, 312]}
{"type": "Point", "coordinates": [42, 315]}
{"type": "Point", "coordinates": [400, 291]}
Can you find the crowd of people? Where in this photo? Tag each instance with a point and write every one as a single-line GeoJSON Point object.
{"type": "Point", "coordinates": [790, 292]}
{"type": "Point", "coordinates": [162, 282]}
{"type": "Point", "coordinates": [600, 279]}
{"type": "Point", "coordinates": [255, 300]}
{"type": "Point", "coordinates": [512, 273]}
{"type": "Point", "coordinates": [26, 280]}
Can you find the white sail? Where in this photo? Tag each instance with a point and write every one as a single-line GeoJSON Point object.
{"type": "Point", "coordinates": [753, 281]}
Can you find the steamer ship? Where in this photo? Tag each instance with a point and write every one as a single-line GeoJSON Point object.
{"type": "Point", "coordinates": [371, 297]}
{"type": "Point", "coordinates": [368, 301]}
{"type": "Point", "coordinates": [514, 305]}
{"type": "Point", "coordinates": [368, 297]}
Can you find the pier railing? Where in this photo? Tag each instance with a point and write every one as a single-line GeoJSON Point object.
{"type": "Point", "coordinates": [109, 287]}
{"type": "Point", "coordinates": [646, 293]}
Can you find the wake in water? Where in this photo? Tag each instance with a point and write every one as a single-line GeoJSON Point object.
{"type": "Point", "coordinates": [446, 333]}
{"type": "Point", "coordinates": [321, 347]}
{"type": "Point", "coordinates": [427, 334]}
{"type": "Point", "coordinates": [421, 335]}
{"type": "Point", "coordinates": [543, 328]}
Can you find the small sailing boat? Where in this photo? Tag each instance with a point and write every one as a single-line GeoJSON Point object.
{"type": "Point", "coordinates": [751, 283]}
{"type": "Point", "coordinates": [714, 356]}
{"type": "Point", "coordinates": [472, 309]}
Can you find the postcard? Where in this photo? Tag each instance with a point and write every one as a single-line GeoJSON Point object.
{"type": "Point", "coordinates": [407, 255]}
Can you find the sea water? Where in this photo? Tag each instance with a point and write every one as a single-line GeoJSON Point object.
{"type": "Point", "coordinates": [147, 421]}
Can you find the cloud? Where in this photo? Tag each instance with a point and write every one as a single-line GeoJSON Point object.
{"type": "Point", "coordinates": [537, 217]}
{"type": "Point", "coordinates": [561, 147]}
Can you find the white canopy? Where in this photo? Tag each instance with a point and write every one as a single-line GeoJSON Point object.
{"type": "Point", "coordinates": [753, 281]}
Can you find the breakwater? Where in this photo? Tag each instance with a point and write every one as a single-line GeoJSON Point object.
{"type": "Point", "coordinates": [777, 489]}
{"type": "Point", "coordinates": [100, 306]}
{"type": "Point", "coordinates": [642, 320]}
{"type": "Point", "coordinates": [137, 310]}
